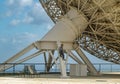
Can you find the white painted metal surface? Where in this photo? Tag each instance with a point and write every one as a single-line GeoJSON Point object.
{"type": "Point", "coordinates": [67, 28]}
{"type": "Point", "coordinates": [78, 70]}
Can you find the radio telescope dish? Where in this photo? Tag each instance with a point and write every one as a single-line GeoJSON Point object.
{"type": "Point", "coordinates": [93, 25]}
{"type": "Point", "coordinates": [101, 37]}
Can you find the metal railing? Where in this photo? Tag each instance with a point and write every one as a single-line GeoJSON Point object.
{"type": "Point", "coordinates": [107, 67]}
{"type": "Point", "coordinates": [39, 68]}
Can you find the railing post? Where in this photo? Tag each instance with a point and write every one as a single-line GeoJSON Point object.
{"type": "Point", "coordinates": [111, 67]}
{"type": "Point", "coordinates": [13, 68]}
{"type": "Point", "coordinates": [99, 67]}
{"type": "Point", "coordinates": [4, 68]}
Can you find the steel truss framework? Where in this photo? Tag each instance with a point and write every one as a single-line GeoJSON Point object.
{"type": "Point", "coordinates": [101, 37]}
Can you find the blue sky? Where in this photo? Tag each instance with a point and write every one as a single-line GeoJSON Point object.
{"type": "Point", "coordinates": [21, 23]}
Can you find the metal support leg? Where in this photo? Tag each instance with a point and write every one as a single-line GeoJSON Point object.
{"type": "Point", "coordinates": [85, 59]}
{"type": "Point", "coordinates": [45, 59]}
{"type": "Point", "coordinates": [62, 65]}
{"type": "Point", "coordinates": [74, 57]}
{"type": "Point", "coordinates": [49, 63]}
{"type": "Point", "coordinates": [22, 60]}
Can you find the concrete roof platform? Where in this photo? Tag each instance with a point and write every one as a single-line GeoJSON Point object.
{"type": "Point", "coordinates": [104, 79]}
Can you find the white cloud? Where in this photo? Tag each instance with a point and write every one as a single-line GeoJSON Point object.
{"type": "Point", "coordinates": [8, 13]}
{"type": "Point", "coordinates": [37, 6]}
{"type": "Point", "coordinates": [29, 35]}
{"type": "Point", "coordinates": [25, 2]}
{"type": "Point", "coordinates": [20, 38]}
{"type": "Point", "coordinates": [15, 22]}
{"type": "Point", "coordinates": [39, 15]}
{"type": "Point", "coordinates": [14, 40]}
{"type": "Point", "coordinates": [10, 2]}
{"type": "Point", "coordinates": [25, 37]}
{"type": "Point", "coordinates": [28, 19]}
{"type": "Point", "coordinates": [20, 3]}
{"type": "Point", "coordinates": [3, 40]}
{"type": "Point", "coordinates": [28, 12]}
